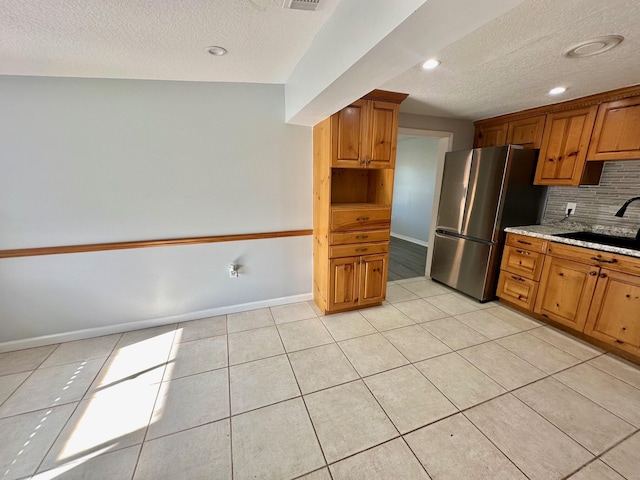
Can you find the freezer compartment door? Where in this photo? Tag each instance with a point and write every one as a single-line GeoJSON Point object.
{"type": "Point", "coordinates": [453, 196]}
{"type": "Point", "coordinates": [467, 265]}
{"type": "Point", "coordinates": [484, 193]}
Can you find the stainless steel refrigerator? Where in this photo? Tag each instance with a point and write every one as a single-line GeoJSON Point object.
{"type": "Point", "coordinates": [483, 191]}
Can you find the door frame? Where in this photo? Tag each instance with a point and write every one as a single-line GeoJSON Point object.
{"type": "Point", "coordinates": [445, 144]}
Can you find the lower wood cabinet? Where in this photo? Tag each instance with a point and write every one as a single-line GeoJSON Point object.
{"type": "Point", "coordinates": [590, 291]}
{"type": "Point", "coordinates": [566, 289]}
{"type": "Point", "coordinates": [357, 281]}
{"type": "Point", "coordinates": [614, 316]}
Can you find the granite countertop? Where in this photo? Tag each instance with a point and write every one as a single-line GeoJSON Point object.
{"type": "Point", "coordinates": [550, 232]}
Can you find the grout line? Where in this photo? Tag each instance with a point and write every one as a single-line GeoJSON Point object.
{"type": "Point", "coordinates": [306, 408]}
{"type": "Point", "coordinates": [72, 413]}
{"type": "Point", "coordinates": [360, 377]}
{"type": "Point", "coordinates": [608, 373]}
{"type": "Point", "coordinates": [155, 401]}
{"type": "Point", "coordinates": [599, 456]}
{"type": "Point", "coordinates": [493, 443]}
{"type": "Point", "coordinates": [226, 325]}
{"type": "Point", "coordinates": [31, 372]}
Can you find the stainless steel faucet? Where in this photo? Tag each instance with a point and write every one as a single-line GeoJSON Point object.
{"type": "Point", "coordinates": [623, 208]}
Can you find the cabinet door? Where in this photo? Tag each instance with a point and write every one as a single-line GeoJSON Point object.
{"type": "Point", "coordinates": [373, 278]}
{"type": "Point", "coordinates": [616, 135]}
{"type": "Point", "coordinates": [564, 147]}
{"type": "Point", "coordinates": [343, 283]}
{"type": "Point", "coordinates": [491, 135]}
{"type": "Point", "coordinates": [565, 292]}
{"type": "Point", "coordinates": [614, 316]}
{"type": "Point", "coordinates": [382, 135]}
{"type": "Point", "coordinates": [527, 132]}
{"type": "Point", "coordinates": [348, 128]}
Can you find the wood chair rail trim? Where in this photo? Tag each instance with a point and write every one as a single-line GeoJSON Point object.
{"type": "Point", "coordinates": [98, 247]}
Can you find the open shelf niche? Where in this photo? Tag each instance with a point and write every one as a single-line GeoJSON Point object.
{"type": "Point", "coordinates": [357, 186]}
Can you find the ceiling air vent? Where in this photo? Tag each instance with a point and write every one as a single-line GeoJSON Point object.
{"type": "Point", "coordinates": [301, 4]}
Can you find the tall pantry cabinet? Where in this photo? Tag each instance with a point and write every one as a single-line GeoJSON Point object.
{"type": "Point", "coordinates": [354, 154]}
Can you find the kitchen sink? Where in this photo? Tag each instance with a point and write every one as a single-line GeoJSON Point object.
{"type": "Point", "coordinates": [602, 239]}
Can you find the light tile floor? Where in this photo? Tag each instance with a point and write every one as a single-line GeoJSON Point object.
{"type": "Point", "coordinates": [429, 385]}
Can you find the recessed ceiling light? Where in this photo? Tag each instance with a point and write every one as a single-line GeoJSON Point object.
{"type": "Point", "coordinates": [557, 90]}
{"type": "Point", "coordinates": [431, 64]}
{"type": "Point", "coordinates": [593, 46]}
{"type": "Point", "coordinates": [217, 51]}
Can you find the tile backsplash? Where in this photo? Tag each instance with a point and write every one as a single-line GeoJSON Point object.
{"type": "Point", "coordinates": [620, 181]}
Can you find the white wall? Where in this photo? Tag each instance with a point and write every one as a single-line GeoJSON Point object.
{"type": "Point", "coordinates": [92, 161]}
{"type": "Point", "coordinates": [462, 129]}
{"type": "Point", "coordinates": [416, 165]}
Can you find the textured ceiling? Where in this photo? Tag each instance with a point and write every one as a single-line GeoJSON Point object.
{"type": "Point", "coordinates": [160, 39]}
{"type": "Point", "coordinates": [507, 65]}
{"type": "Point", "coordinates": [511, 63]}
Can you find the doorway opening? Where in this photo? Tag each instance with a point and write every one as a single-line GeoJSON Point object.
{"type": "Point", "coordinates": [416, 191]}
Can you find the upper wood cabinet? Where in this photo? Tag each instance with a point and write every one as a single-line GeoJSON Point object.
{"type": "Point", "coordinates": [365, 135]}
{"type": "Point", "coordinates": [348, 128]}
{"type": "Point", "coordinates": [491, 135]}
{"type": "Point", "coordinates": [616, 135]}
{"type": "Point", "coordinates": [564, 147]}
{"type": "Point", "coordinates": [575, 137]}
{"type": "Point", "coordinates": [526, 132]}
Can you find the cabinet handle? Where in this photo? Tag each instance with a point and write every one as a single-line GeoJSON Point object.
{"type": "Point", "coordinates": [362, 249]}
{"type": "Point", "coordinates": [603, 275]}
{"type": "Point", "coordinates": [361, 237]}
{"type": "Point", "coordinates": [362, 219]}
{"type": "Point", "coordinates": [523, 242]}
{"type": "Point", "coordinates": [596, 259]}
{"type": "Point", "coordinates": [523, 252]}
{"type": "Point", "coordinates": [593, 274]}
{"type": "Point", "coordinates": [619, 341]}
{"type": "Point", "coordinates": [517, 278]}
{"type": "Point", "coordinates": [573, 154]}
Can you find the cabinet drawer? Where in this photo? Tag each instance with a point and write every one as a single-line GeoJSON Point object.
{"type": "Point", "coordinates": [522, 262]}
{"type": "Point", "coordinates": [517, 290]}
{"type": "Point", "coordinates": [359, 237]}
{"type": "Point", "coordinates": [359, 218]}
{"type": "Point", "coordinates": [582, 255]}
{"type": "Point", "coordinates": [358, 249]}
{"type": "Point", "coordinates": [530, 243]}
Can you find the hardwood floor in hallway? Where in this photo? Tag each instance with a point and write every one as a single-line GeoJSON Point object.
{"type": "Point", "coordinates": [406, 259]}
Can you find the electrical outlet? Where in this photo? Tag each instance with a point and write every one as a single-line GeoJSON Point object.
{"type": "Point", "coordinates": [570, 209]}
{"type": "Point", "coordinates": [233, 271]}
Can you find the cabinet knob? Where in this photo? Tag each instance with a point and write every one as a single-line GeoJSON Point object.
{"type": "Point", "coordinates": [593, 274]}
{"type": "Point", "coordinates": [603, 275]}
